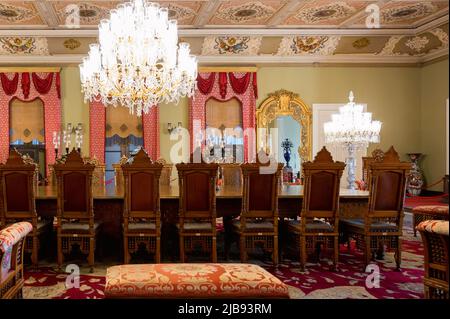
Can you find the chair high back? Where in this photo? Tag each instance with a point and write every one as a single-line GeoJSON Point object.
{"type": "Point", "coordinates": [321, 188]}
{"type": "Point", "coordinates": [197, 184]}
{"type": "Point", "coordinates": [17, 188]}
{"type": "Point", "coordinates": [260, 190]}
{"type": "Point", "coordinates": [141, 177]}
{"type": "Point", "coordinates": [388, 178]}
{"type": "Point", "coordinates": [74, 184]}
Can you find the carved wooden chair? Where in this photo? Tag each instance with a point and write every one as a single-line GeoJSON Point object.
{"type": "Point", "coordinates": [317, 228]}
{"type": "Point", "coordinates": [258, 223]}
{"type": "Point", "coordinates": [141, 215]}
{"type": "Point", "coordinates": [435, 241]}
{"type": "Point", "coordinates": [382, 224]}
{"type": "Point", "coordinates": [75, 211]}
{"type": "Point", "coordinates": [166, 173]}
{"type": "Point", "coordinates": [377, 155]}
{"type": "Point", "coordinates": [17, 189]}
{"type": "Point", "coordinates": [197, 208]}
{"type": "Point", "coordinates": [12, 244]}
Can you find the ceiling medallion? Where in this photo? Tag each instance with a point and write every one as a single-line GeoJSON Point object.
{"type": "Point", "coordinates": [72, 44]}
{"type": "Point", "coordinates": [180, 13]}
{"type": "Point", "coordinates": [14, 14]}
{"type": "Point", "coordinates": [249, 11]}
{"type": "Point", "coordinates": [417, 43]}
{"type": "Point", "coordinates": [408, 12]}
{"type": "Point", "coordinates": [24, 45]}
{"type": "Point", "coordinates": [88, 12]}
{"type": "Point", "coordinates": [361, 43]}
{"type": "Point", "coordinates": [333, 11]}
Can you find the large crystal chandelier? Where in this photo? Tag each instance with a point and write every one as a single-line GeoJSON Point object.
{"type": "Point", "coordinates": [353, 129]}
{"type": "Point", "coordinates": [137, 62]}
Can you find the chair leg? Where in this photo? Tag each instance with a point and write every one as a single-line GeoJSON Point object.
{"type": "Point", "coordinates": [275, 251]}
{"type": "Point", "coordinates": [35, 253]}
{"type": "Point", "coordinates": [214, 249]}
{"type": "Point", "coordinates": [60, 253]}
{"type": "Point", "coordinates": [367, 253]}
{"type": "Point", "coordinates": [336, 253]}
{"type": "Point", "coordinates": [158, 250]}
{"type": "Point", "coordinates": [182, 257]}
{"type": "Point", "coordinates": [398, 253]}
{"type": "Point", "coordinates": [91, 254]}
{"type": "Point", "coordinates": [126, 253]}
{"type": "Point", "coordinates": [242, 249]}
{"type": "Point", "coordinates": [414, 225]}
{"type": "Point", "coordinates": [303, 253]}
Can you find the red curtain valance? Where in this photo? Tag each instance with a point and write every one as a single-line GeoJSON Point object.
{"type": "Point", "coordinates": [42, 85]}
{"type": "Point", "coordinates": [238, 84]}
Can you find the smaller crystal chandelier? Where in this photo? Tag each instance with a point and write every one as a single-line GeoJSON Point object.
{"type": "Point", "coordinates": [353, 129]}
{"type": "Point", "coordinates": [137, 62]}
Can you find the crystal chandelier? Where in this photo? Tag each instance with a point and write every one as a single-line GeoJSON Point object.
{"type": "Point", "coordinates": [137, 62]}
{"type": "Point", "coordinates": [353, 129]}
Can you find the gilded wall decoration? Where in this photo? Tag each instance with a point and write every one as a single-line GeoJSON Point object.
{"type": "Point", "coordinates": [230, 45]}
{"type": "Point", "coordinates": [246, 12]}
{"type": "Point", "coordinates": [15, 13]}
{"type": "Point", "coordinates": [361, 43]}
{"type": "Point", "coordinates": [390, 45]}
{"type": "Point", "coordinates": [72, 44]}
{"type": "Point", "coordinates": [24, 45]}
{"type": "Point", "coordinates": [407, 12]}
{"type": "Point", "coordinates": [333, 11]}
{"type": "Point", "coordinates": [442, 36]}
{"type": "Point", "coordinates": [303, 45]}
{"type": "Point", "coordinates": [417, 43]}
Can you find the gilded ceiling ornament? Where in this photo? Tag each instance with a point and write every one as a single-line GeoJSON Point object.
{"type": "Point", "coordinates": [24, 45]}
{"type": "Point", "coordinates": [407, 12]}
{"type": "Point", "coordinates": [304, 45]}
{"type": "Point", "coordinates": [246, 12]}
{"type": "Point", "coordinates": [15, 13]}
{"type": "Point", "coordinates": [89, 13]}
{"type": "Point", "coordinates": [180, 13]}
{"type": "Point", "coordinates": [361, 43]}
{"type": "Point", "coordinates": [230, 45]}
{"type": "Point", "coordinates": [72, 44]}
{"type": "Point", "coordinates": [390, 45]}
{"type": "Point", "coordinates": [333, 11]}
{"type": "Point", "coordinates": [442, 36]}
{"type": "Point", "coordinates": [417, 43]}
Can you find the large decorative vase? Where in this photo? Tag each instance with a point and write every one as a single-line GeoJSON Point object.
{"type": "Point", "coordinates": [415, 177]}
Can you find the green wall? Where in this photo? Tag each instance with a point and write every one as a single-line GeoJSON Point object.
{"type": "Point", "coordinates": [434, 93]}
{"type": "Point", "coordinates": [410, 101]}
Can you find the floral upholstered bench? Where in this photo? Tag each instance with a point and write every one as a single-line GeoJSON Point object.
{"type": "Point", "coordinates": [428, 212]}
{"type": "Point", "coordinates": [192, 281]}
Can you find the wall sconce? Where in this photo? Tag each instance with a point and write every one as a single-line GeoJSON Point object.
{"type": "Point", "coordinates": [72, 130]}
{"type": "Point", "coordinates": [170, 128]}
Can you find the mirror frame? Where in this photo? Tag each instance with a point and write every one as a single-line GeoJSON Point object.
{"type": "Point", "coordinates": [281, 103]}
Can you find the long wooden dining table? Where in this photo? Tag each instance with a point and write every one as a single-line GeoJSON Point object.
{"type": "Point", "coordinates": [108, 209]}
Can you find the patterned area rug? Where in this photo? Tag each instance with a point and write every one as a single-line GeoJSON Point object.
{"type": "Point", "coordinates": [317, 282]}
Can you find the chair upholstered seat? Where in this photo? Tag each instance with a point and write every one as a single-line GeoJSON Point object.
{"type": "Point", "coordinates": [431, 210]}
{"type": "Point", "coordinates": [210, 280]}
{"type": "Point", "coordinates": [316, 226]}
{"type": "Point", "coordinates": [254, 225]}
{"type": "Point", "coordinates": [192, 226]}
{"type": "Point", "coordinates": [43, 223]}
{"type": "Point", "coordinates": [359, 223]}
{"type": "Point", "coordinates": [77, 227]}
{"type": "Point", "coordinates": [141, 226]}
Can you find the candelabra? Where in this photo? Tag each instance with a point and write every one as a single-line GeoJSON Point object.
{"type": "Point", "coordinates": [352, 128]}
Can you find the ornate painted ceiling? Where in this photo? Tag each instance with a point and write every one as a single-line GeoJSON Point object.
{"type": "Point", "coordinates": [242, 31]}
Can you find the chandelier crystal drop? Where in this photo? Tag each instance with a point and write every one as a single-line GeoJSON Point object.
{"type": "Point", "coordinates": [352, 128]}
{"type": "Point", "coordinates": [137, 62]}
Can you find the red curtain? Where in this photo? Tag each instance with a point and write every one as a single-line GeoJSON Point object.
{"type": "Point", "coordinates": [255, 85]}
{"type": "Point", "coordinates": [9, 86]}
{"type": "Point", "coordinates": [26, 84]}
{"type": "Point", "coordinates": [223, 84]}
{"type": "Point", "coordinates": [58, 84]}
{"type": "Point", "coordinates": [205, 85]}
{"type": "Point", "coordinates": [42, 85]}
{"type": "Point", "coordinates": [239, 85]}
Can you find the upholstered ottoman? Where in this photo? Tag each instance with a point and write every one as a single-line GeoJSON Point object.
{"type": "Point", "coordinates": [428, 212]}
{"type": "Point", "coordinates": [192, 281]}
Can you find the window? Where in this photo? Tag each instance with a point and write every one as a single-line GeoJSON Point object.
{"type": "Point", "coordinates": [224, 128]}
{"type": "Point", "coordinates": [123, 136]}
{"type": "Point", "coordinates": [27, 134]}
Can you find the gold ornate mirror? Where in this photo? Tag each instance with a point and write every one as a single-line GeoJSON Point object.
{"type": "Point", "coordinates": [285, 111]}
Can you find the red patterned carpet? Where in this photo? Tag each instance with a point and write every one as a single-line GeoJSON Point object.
{"type": "Point", "coordinates": [317, 282]}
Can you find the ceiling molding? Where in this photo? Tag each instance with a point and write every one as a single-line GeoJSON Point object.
{"type": "Point", "coordinates": [289, 9]}
{"type": "Point", "coordinates": [357, 16]}
{"type": "Point", "coordinates": [61, 59]}
{"type": "Point", "coordinates": [206, 12]}
{"type": "Point", "coordinates": [46, 11]}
